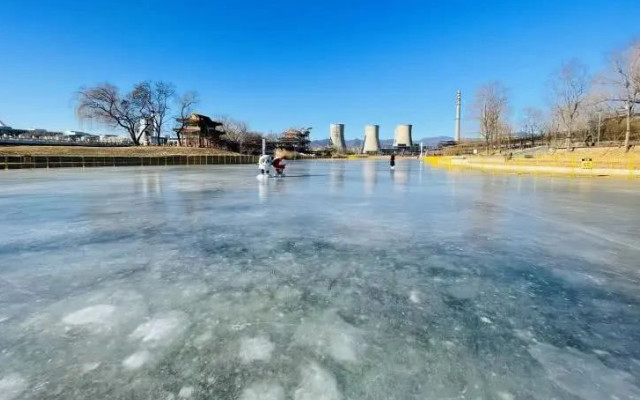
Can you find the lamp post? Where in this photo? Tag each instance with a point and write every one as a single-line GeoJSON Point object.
{"type": "Point", "coordinates": [599, 124]}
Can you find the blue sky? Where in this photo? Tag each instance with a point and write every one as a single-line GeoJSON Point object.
{"type": "Point", "coordinates": [281, 63]}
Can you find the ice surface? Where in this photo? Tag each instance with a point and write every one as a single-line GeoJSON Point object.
{"type": "Point", "coordinates": [186, 392]}
{"type": "Point", "coordinates": [11, 386]}
{"type": "Point", "coordinates": [317, 384]}
{"type": "Point", "coordinates": [263, 391]}
{"type": "Point", "coordinates": [93, 315]}
{"type": "Point", "coordinates": [136, 360]}
{"type": "Point", "coordinates": [330, 335]}
{"type": "Point", "coordinates": [255, 349]}
{"type": "Point", "coordinates": [584, 375]}
{"type": "Point", "coordinates": [341, 281]}
{"type": "Point", "coordinates": [160, 329]}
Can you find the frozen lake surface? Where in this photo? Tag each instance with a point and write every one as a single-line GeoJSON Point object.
{"type": "Point", "coordinates": [342, 281]}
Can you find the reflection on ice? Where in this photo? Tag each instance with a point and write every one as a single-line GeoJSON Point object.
{"type": "Point", "coordinates": [347, 281]}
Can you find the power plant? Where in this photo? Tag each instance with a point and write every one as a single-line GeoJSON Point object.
{"type": "Point", "coordinates": [402, 137]}
{"type": "Point", "coordinates": [336, 135]}
{"type": "Point", "coordinates": [371, 139]}
{"type": "Point", "coordinates": [402, 141]}
{"type": "Point", "coordinates": [458, 103]}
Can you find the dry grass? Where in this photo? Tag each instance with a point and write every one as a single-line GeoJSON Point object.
{"type": "Point", "coordinates": [137, 151]}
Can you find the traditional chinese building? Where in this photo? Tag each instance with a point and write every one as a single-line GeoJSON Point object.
{"type": "Point", "coordinates": [295, 139]}
{"type": "Point", "coordinates": [199, 131]}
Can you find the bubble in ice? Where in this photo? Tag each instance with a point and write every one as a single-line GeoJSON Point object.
{"type": "Point", "coordinates": [263, 391]}
{"type": "Point", "coordinates": [584, 375]}
{"type": "Point", "coordinates": [255, 349]}
{"type": "Point", "coordinates": [93, 315]}
{"type": "Point", "coordinates": [136, 360]}
{"type": "Point", "coordinates": [12, 386]}
{"type": "Point", "coordinates": [317, 384]}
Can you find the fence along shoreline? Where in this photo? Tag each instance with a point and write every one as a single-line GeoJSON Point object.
{"type": "Point", "coordinates": [28, 162]}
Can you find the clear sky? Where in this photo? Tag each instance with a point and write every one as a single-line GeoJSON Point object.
{"type": "Point", "coordinates": [283, 63]}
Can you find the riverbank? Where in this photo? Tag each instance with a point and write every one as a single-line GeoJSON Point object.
{"type": "Point", "coordinates": [132, 151]}
{"type": "Point", "coordinates": [65, 157]}
{"type": "Point", "coordinates": [583, 162]}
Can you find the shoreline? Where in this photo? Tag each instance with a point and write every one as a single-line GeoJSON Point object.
{"type": "Point", "coordinates": [540, 167]}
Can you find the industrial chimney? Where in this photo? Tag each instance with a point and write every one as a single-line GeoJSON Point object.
{"type": "Point", "coordinates": [458, 103]}
{"type": "Point", "coordinates": [336, 135]}
{"type": "Point", "coordinates": [371, 139]}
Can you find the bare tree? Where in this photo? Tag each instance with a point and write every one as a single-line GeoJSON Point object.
{"type": "Point", "coordinates": [490, 108]}
{"type": "Point", "coordinates": [184, 107]}
{"type": "Point", "coordinates": [624, 82]}
{"type": "Point", "coordinates": [569, 90]}
{"type": "Point", "coordinates": [162, 94]}
{"type": "Point", "coordinates": [104, 103]}
{"type": "Point", "coordinates": [532, 121]}
{"type": "Point", "coordinates": [236, 131]}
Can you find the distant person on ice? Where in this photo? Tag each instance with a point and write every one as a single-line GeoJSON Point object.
{"type": "Point", "coordinates": [264, 163]}
{"type": "Point", "coordinates": [392, 162]}
{"type": "Point", "coordinates": [279, 164]}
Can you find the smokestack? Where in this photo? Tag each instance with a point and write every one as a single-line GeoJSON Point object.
{"type": "Point", "coordinates": [458, 103]}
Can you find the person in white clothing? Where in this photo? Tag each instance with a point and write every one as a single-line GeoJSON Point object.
{"type": "Point", "coordinates": [264, 164]}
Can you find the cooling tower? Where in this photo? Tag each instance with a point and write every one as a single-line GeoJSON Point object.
{"type": "Point", "coordinates": [371, 139]}
{"type": "Point", "coordinates": [402, 136]}
{"type": "Point", "coordinates": [336, 135]}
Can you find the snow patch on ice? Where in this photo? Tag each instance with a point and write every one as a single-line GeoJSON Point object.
{"type": "Point", "coordinates": [584, 375]}
{"type": "Point", "coordinates": [255, 349]}
{"type": "Point", "coordinates": [186, 392]}
{"type": "Point", "coordinates": [263, 391]}
{"type": "Point", "coordinates": [505, 396]}
{"type": "Point", "coordinates": [317, 384]}
{"type": "Point", "coordinates": [93, 315]}
{"type": "Point", "coordinates": [159, 330]}
{"type": "Point", "coordinates": [12, 386]}
{"type": "Point", "coordinates": [88, 367]}
{"type": "Point", "coordinates": [414, 296]}
{"type": "Point", "coordinates": [136, 360]}
{"type": "Point", "coordinates": [332, 336]}
{"type": "Point", "coordinates": [524, 334]}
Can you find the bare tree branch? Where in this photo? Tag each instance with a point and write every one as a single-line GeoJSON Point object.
{"type": "Point", "coordinates": [569, 87]}
{"type": "Point", "coordinates": [185, 106]}
{"type": "Point", "coordinates": [490, 108]}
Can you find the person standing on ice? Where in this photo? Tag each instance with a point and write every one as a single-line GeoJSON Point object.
{"type": "Point", "coordinates": [264, 164]}
{"type": "Point", "coordinates": [392, 162]}
{"type": "Point", "coordinates": [279, 164]}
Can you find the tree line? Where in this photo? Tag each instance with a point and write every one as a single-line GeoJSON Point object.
{"type": "Point", "coordinates": [159, 105]}
{"type": "Point", "coordinates": [578, 100]}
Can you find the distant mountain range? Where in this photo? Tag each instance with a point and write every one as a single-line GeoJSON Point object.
{"type": "Point", "coordinates": [357, 143]}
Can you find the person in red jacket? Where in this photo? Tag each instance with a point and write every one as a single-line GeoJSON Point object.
{"type": "Point", "coordinates": [279, 164]}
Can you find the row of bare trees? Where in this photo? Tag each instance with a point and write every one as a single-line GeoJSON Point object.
{"type": "Point", "coordinates": [575, 97]}
{"type": "Point", "coordinates": [153, 103]}
{"type": "Point", "coordinates": [156, 104]}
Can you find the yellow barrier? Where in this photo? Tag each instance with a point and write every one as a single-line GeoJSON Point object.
{"type": "Point", "coordinates": [572, 166]}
